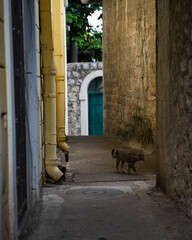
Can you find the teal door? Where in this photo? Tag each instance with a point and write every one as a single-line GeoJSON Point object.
{"type": "Point", "coordinates": [95, 113]}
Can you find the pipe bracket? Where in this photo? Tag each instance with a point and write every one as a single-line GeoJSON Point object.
{"type": "Point", "coordinates": [49, 71]}
{"type": "Point", "coordinates": [60, 78]}
{"type": "Point", "coordinates": [51, 95]}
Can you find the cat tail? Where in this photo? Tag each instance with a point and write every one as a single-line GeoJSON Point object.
{"type": "Point", "coordinates": [112, 153]}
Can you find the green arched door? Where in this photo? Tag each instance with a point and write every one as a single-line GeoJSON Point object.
{"type": "Point", "coordinates": [95, 99]}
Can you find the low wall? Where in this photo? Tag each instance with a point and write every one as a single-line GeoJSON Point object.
{"type": "Point", "coordinates": [76, 74]}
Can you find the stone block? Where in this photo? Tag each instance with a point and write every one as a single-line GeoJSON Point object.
{"type": "Point", "coordinates": [86, 66]}
{"type": "Point", "coordinates": [71, 95]}
{"type": "Point", "coordinates": [79, 82]}
{"type": "Point", "coordinates": [100, 65]}
{"type": "Point", "coordinates": [75, 74]}
{"type": "Point", "coordinates": [93, 66]}
{"type": "Point", "coordinates": [75, 89]}
{"type": "Point", "coordinates": [70, 82]}
{"type": "Point", "coordinates": [68, 74]}
{"type": "Point", "coordinates": [79, 66]}
{"type": "Point", "coordinates": [83, 74]}
{"type": "Point", "coordinates": [70, 66]}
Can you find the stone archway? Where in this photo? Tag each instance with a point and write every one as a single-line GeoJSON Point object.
{"type": "Point", "coordinates": [83, 97]}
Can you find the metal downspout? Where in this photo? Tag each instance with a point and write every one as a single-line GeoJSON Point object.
{"type": "Point", "coordinates": [49, 72]}
{"type": "Point", "coordinates": [59, 56]}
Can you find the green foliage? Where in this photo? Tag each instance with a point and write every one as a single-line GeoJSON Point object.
{"type": "Point", "coordinates": [88, 40]}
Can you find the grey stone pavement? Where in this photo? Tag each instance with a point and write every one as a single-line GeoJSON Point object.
{"type": "Point", "coordinates": [102, 204]}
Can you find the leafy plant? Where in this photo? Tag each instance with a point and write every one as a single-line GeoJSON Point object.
{"type": "Point", "coordinates": [79, 31]}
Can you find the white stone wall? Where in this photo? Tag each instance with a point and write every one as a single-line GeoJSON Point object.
{"type": "Point", "coordinates": [76, 74]}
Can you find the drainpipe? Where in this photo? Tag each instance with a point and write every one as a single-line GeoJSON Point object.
{"type": "Point", "coordinates": [49, 72]}
{"type": "Point", "coordinates": [59, 56]}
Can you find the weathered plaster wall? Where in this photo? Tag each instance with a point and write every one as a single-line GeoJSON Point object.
{"type": "Point", "coordinates": [174, 100]}
{"type": "Point", "coordinates": [129, 58]}
{"type": "Point", "coordinates": [76, 74]}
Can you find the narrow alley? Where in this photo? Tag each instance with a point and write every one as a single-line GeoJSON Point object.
{"type": "Point", "coordinates": [97, 203]}
{"type": "Point", "coordinates": [63, 82]}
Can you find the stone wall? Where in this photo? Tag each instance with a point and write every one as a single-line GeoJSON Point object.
{"type": "Point", "coordinates": [174, 100]}
{"type": "Point", "coordinates": [129, 58]}
{"type": "Point", "coordinates": [76, 73]}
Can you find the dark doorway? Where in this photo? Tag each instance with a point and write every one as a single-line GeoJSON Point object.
{"type": "Point", "coordinates": [19, 86]}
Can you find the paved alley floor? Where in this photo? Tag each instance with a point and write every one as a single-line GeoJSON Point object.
{"type": "Point", "coordinates": [102, 204]}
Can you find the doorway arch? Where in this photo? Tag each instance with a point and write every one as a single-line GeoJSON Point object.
{"type": "Point", "coordinates": [83, 97]}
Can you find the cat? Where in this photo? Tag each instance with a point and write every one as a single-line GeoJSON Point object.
{"type": "Point", "coordinates": [123, 155]}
